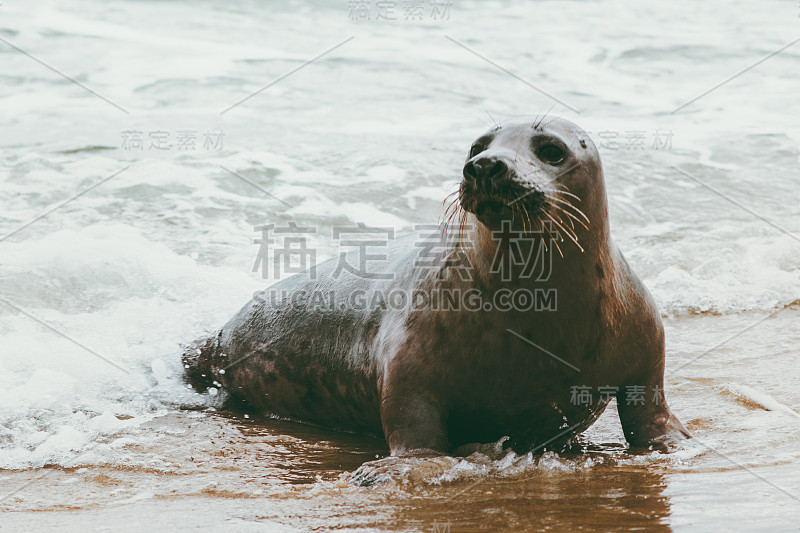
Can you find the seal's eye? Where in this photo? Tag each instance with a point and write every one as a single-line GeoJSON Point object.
{"type": "Point", "coordinates": [552, 154]}
{"type": "Point", "coordinates": [475, 150]}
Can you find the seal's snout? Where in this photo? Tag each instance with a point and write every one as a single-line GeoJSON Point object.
{"type": "Point", "coordinates": [484, 170]}
{"type": "Point", "coordinates": [489, 183]}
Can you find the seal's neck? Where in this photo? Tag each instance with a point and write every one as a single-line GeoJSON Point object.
{"type": "Point", "coordinates": [510, 256]}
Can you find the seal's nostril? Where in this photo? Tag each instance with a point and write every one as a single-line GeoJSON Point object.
{"type": "Point", "coordinates": [485, 169]}
{"type": "Point", "coordinates": [498, 170]}
{"type": "Point", "coordinates": [470, 171]}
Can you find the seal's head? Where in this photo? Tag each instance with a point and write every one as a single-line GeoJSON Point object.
{"type": "Point", "coordinates": [535, 172]}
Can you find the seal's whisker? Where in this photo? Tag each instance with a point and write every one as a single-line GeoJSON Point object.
{"type": "Point", "coordinates": [451, 199]}
{"type": "Point", "coordinates": [565, 190]}
{"type": "Point", "coordinates": [561, 211]}
{"type": "Point", "coordinates": [554, 118]}
{"type": "Point", "coordinates": [448, 213]}
{"type": "Point", "coordinates": [550, 236]}
{"type": "Point", "coordinates": [545, 235]}
{"type": "Point", "coordinates": [452, 237]}
{"type": "Point", "coordinates": [570, 205]}
{"type": "Point", "coordinates": [455, 203]}
{"type": "Point", "coordinates": [450, 229]}
{"type": "Point", "coordinates": [444, 221]}
{"type": "Point", "coordinates": [570, 233]}
{"type": "Point", "coordinates": [462, 223]}
{"type": "Point", "coordinates": [572, 238]}
{"type": "Point", "coordinates": [455, 216]}
{"type": "Point", "coordinates": [496, 125]}
{"type": "Point", "coordinates": [451, 194]}
{"type": "Point", "coordinates": [447, 217]}
{"type": "Point", "coordinates": [555, 242]}
{"type": "Point", "coordinates": [572, 217]}
{"type": "Point", "coordinates": [456, 233]}
{"type": "Point", "coordinates": [527, 225]}
{"type": "Point", "coordinates": [584, 220]}
{"type": "Point", "coordinates": [573, 232]}
{"type": "Point", "coordinates": [544, 116]}
{"type": "Point", "coordinates": [530, 224]}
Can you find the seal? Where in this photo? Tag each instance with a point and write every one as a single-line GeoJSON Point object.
{"type": "Point", "coordinates": [520, 319]}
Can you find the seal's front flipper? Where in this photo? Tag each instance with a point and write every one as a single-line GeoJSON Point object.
{"type": "Point", "coordinates": [647, 420]}
{"type": "Point", "coordinates": [414, 468]}
{"type": "Point", "coordinates": [412, 416]}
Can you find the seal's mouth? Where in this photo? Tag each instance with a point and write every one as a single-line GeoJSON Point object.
{"type": "Point", "coordinates": [493, 204]}
{"type": "Point", "coordinates": [501, 203]}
